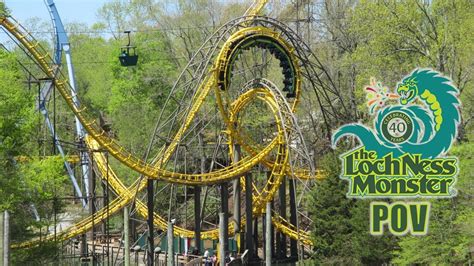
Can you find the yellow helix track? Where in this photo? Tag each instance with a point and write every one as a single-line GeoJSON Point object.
{"type": "Point", "coordinates": [127, 196]}
{"type": "Point", "coordinates": [279, 168]}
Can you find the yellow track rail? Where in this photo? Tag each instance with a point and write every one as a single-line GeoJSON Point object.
{"type": "Point", "coordinates": [125, 196]}
{"type": "Point", "coordinates": [228, 110]}
{"type": "Point", "coordinates": [115, 149]}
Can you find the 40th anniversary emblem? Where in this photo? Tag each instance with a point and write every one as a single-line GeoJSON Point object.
{"type": "Point", "coordinates": [397, 127]}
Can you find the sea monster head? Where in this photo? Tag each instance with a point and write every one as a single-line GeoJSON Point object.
{"type": "Point", "coordinates": [408, 90]}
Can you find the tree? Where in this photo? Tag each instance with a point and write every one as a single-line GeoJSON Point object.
{"type": "Point", "coordinates": [341, 225]}
{"type": "Point", "coordinates": [450, 237]}
{"type": "Point", "coordinates": [387, 40]}
{"type": "Point", "coordinates": [23, 181]}
{"type": "Point", "coordinates": [397, 36]}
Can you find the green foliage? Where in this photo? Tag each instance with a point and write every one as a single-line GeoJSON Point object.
{"type": "Point", "coordinates": [16, 128]}
{"type": "Point", "coordinates": [341, 225]}
{"type": "Point", "coordinates": [450, 234]}
{"type": "Point", "coordinates": [137, 94]}
{"type": "Point", "coordinates": [3, 10]}
{"type": "Point", "coordinates": [92, 56]}
{"type": "Point", "coordinates": [386, 40]}
{"type": "Point", "coordinates": [23, 182]}
{"type": "Point", "coordinates": [43, 254]}
{"type": "Point", "coordinates": [356, 40]}
{"type": "Point", "coordinates": [394, 37]}
{"type": "Point", "coordinates": [45, 177]}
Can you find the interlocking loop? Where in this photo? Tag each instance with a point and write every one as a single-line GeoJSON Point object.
{"type": "Point", "coordinates": [219, 79]}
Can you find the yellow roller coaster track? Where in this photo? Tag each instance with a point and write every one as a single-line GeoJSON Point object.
{"type": "Point", "coordinates": [125, 196]}
{"type": "Point", "coordinates": [214, 80]}
{"type": "Point", "coordinates": [119, 152]}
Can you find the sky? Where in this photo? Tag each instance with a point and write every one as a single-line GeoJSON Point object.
{"type": "Point", "coordinates": [70, 10]}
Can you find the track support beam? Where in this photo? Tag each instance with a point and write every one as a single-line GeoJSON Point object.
{"type": "Point", "coordinates": [225, 210]}
{"type": "Point", "coordinates": [170, 252]}
{"type": "Point", "coordinates": [197, 217]}
{"type": "Point", "coordinates": [268, 235]}
{"type": "Point", "coordinates": [293, 242]}
{"type": "Point", "coordinates": [126, 232]}
{"type": "Point", "coordinates": [238, 236]}
{"type": "Point", "coordinates": [2, 231]}
{"type": "Point", "coordinates": [84, 248]}
{"type": "Point", "coordinates": [249, 217]}
{"type": "Point", "coordinates": [282, 238]}
{"type": "Point", "coordinates": [6, 238]}
{"type": "Point", "coordinates": [222, 239]}
{"type": "Point", "coordinates": [151, 230]}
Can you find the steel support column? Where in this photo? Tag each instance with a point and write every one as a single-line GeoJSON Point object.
{"type": "Point", "coordinates": [92, 204]}
{"type": "Point", "coordinates": [255, 234]}
{"type": "Point", "coordinates": [249, 216]}
{"type": "Point", "coordinates": [268, 235]}
{"type": "Point", "coordinates": [238, 235]}
{"type": "Point", "coordinates": [2, 231]}
{"type": "Point", "coordinates": [293, 242]}
{"type": "Point", "coordinates": [151, 237]}
{"type": "Point", "coordinates": [126, 233]}
{"type": "Point", "coordinates": [272, 228]}
{"type": "Point", "coordinates": [6, 238]}
{"type": "Point", "coordinates": [222, 239]}
{"type": "Point", "coordinates": [282, 200]}
{"type": "Point", "coordinates": [84, 249]}
{"type": "Point", "coordinates": [105, 203]}
{"type": "Point", "coordinates": [225, 210]}
{"type": "Point", "coordinates": [197, 217]}
{"type": "Point", "coordinates": [170, 252]}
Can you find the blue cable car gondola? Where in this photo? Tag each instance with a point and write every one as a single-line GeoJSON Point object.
{"type": "Point", "coordinates": [128, 54]}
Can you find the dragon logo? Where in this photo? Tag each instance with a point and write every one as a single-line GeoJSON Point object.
{"type": "Point", "coordinates": [424, 122]}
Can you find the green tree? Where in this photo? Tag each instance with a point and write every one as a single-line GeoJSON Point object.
{"type": "Point", "coordinates": [341, 225]}
{"type": "Point", "coordinates": [394, 37]}
{"type": "Point", "coordinates": [23, 181]}
{"type": "Point", "coordinates": [450, 236]}
{"type": "Point", "coordinates": [16, 128]}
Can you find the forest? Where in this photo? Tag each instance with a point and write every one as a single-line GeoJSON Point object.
{"type": "Point", "coordinates": [354, 40]}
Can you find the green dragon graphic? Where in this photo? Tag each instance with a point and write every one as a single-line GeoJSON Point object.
{"type": "Point", "coordinates": [435, 124]}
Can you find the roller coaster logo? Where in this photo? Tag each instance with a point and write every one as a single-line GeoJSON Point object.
{"type": "Point", "coordinates": [403, 156]}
